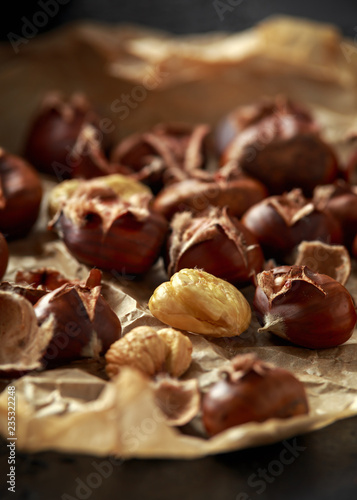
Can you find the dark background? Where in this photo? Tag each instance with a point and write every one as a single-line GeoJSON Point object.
{"type": "Point", "coordinates": [326, 469]}
{"type": "Point", "coordinates": [177, 16]}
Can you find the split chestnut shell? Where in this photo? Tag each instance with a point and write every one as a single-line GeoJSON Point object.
{"type": "Point", "coordinates": [309, 309]}
{"type": "Point", "coordinates": [102, 229]}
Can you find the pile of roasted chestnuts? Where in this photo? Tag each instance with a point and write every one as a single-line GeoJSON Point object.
{"type": "Point", "coordinates": [261, 201]}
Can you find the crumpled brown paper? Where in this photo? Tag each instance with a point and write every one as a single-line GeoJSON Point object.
{"type": "Point", "coordinates": [195, 79]}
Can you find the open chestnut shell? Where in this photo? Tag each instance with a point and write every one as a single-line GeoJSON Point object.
{"type": "Point", "coordinates": [170, 152]}
{"type": "Point", "coordinates": [306, 308]}
{"type": "Point", "coordinates": [215, 242]}
{"type": "Point", "coordinates": [251, 390]}
{"type": "Point", "coordinates": [283, 151]}
{"type": "Point", "coordinates": [236, 192]}
{"type": "Point", "coordinates": [84, 325]}
{"type": "Point", "coordinates": [340, 199]}
{"type": "Point", "coordinates": [281, 222]}
{"type": "Point", "coordinates": [55, 130]}
{"type": "Point", "coordinates": [102, 229]}
{"type": "Point", "coordinates": [20, 195]}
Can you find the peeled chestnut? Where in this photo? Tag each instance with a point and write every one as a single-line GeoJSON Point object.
{"type": "Point", "coordinates": [54, 133]}
{"type": "Point", "coordinates": [251, 390]}
{"type": "Point", "coordinates": [102, 229]}
{"type": "Point", "coordinates": [340, 199]}
{"type": "Point", "coordinates": [237, 193]}
{"type": "Point", "coordinates": [282, 222]}
{"type": "Point", "coordinates": [4, 255]}
{"type": "Point", "coordinates": [283, 150]}
{"type": "Point", "coordinates": [306, 308]}
{"type": "Point", "coordinates": [83, 323]}
{"type": "Point", "coordinates": [167, 153]}
{"type": "Point", "coordinates": [20, 195]}
{"type": "Point", "coordinates": [215, 242]}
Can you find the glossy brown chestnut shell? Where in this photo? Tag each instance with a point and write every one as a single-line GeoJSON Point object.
{"type": "Point", "coordinates": [236, 193]}
{"type": "Point", "coordinates": [215, 242]}
{"type": "Point", "coordinates": [251, 390]}
{"type": "Point", "coordinates": [250, 114]}
{"type": "Point", "coordinates": [103, 230]}
{"type": "Point", "coordinates": [340, 199]}
{"type": "Point", "coordinates": [55, 130]}
{"type": "Point", "coordinates": [308, 309]}
{"type": "Point", "coordinates": [284, 152]}
{"type": "Point", "coordinates": [282, 222]}
{"type": "Point", "coordinates": [85, 325]}
{"type": "Point", "coordinates": [20, 195]}
{"type": "Point", "coordinates": [170, 152]}
{"type": "Point", "coordinates": [4, 255]}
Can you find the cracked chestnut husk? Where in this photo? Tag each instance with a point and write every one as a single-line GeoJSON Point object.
{"type": "Point", "coordinates": [306, 308]}
{"type": "Point", "coordinates": [283, 148]}
{"type": "Point", "coordinates": [86, 159]}
{"type": "Point", "coordinates": [340, 199]}
{"type": "Point", "coordinates": [102, 229]}
{"type": "Point", "coordinates": [167, 153]}
{"type": "Point", "coordinates": [20, 195]}
{"type": "Point", "coordinates": [84, 324]}
{"type": "Point", "coordinates": [55, 131]}
{"type": "Point", "coordinates": [215, 242]}
{"type": "Point", "coordinates": [249, 114]}
{"type": "Point", "coordinates": [228, 187]}
{"type": "Point", "coordinates": [251, 390]}
{"type": "Point", "coordinates": [4, 255]}
{"type": "Point", "coordinates": [281, 222]}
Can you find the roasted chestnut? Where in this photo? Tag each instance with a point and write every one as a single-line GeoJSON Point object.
{"type": "Point", "coordinates": [55, 131]}
{"type": "Point", "coordinates": [251, 390]}
{"type": "Point", "coordinates": [282, 222]}
{"type": "Point", "coordinates": [236, 192]}
{"type": "Point", "coordinates": [340, 199]}
{"type": "Point", "coordinates": [231, 125]}
{"type": "Point", "coordinates": [306, 308]}
{"type": "Point", "coordinates": [20, 195]}
{"type": "Point", "coordinates": [4, 255]}
{"type": "Point", "coordinates": [105, 230]}
{"type": "Point", "coordinates": [215, 242]}
{"type": "Point", "coordinates": [284, 151]}
{"type": "Point", "coordinates": [83, 323]}
{"type": "Point", "coordinates": [167, 153]}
